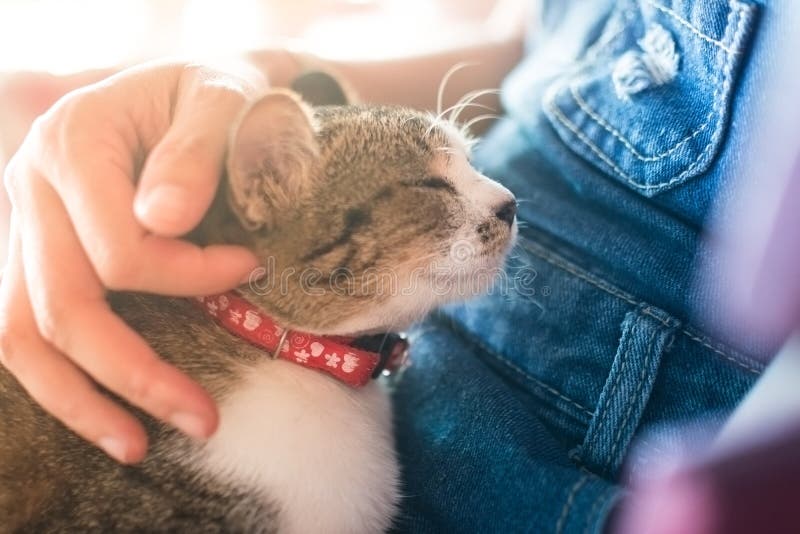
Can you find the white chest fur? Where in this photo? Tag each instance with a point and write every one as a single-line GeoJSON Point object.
{"type": "Point", "coordinates": [320, 450]}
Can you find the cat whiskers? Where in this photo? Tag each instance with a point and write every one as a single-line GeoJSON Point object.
{"type": "Point", "coordinates": [469, 100]}
{"type": "Point", "coordinates": [521, 224]}
{"type": "Point", "coordinates": [452, 113]}
{"type": "Point", "coordinates": [475, 120]}
{"type": "Point", "coordinates": [457, 108]}
{"type": "Point", "coordinates": [446, 78]}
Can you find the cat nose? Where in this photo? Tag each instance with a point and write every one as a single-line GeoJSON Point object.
{"type": "Point", "coordinates": [507, 212]}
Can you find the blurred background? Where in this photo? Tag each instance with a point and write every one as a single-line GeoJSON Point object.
{"type": "Point", "coordinates": [63, 37]}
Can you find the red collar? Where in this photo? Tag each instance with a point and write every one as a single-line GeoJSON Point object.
{"type": "Point", "coordinates": [350, 360]}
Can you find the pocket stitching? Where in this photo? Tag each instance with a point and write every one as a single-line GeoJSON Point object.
{"type": "Point", "coordinates": [502, 359]}
{"type": "Point", "coordinates": [753, 369]}
{"type": "Point", "coordinates": [588, 142]}
{"type": "Point", "coordinates": [570, 500]}
{"type": "Point", "coordinates": [593, 114]}
{"type": "Point", "coordinates": [597, 507]}
{"type": "Point", "coordinates": [692, 28]}
{"type": "Point", "coordinates": [616, 133]}
{"type": "Point", "coordinates": [529, 377]}
{"type": "Point", "coordinates": [557, 261]}
{"type": "Point", "coordinates": [736, 38]}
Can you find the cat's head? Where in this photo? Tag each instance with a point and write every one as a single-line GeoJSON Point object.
{"type": "Point", "coordinates": [364, 217]}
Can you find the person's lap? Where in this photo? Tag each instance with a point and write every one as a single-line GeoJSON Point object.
{"type": "Point", "coordinates": [521, 409]}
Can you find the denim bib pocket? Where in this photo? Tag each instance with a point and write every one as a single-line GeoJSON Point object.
{"type": "Point", "coordinates": [650, 101]}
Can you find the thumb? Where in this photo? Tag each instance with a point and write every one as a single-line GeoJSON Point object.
{"type": "Point", "coordinates": [181, 174]}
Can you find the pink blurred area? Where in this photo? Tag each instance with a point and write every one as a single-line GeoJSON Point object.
{"type": "Point", "coordinates": [62, 37]}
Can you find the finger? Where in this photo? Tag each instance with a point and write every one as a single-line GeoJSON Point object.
{"type": "Point", "coordinates": [181, 175]}
{"type": "Point", "coordinates": [99, 342]}
{"type": "Point", "coordinates": [186, 269]}
{"type": "Point", "coordinates": [98, 194]}
{"type": "Point", "coordinates": [54, 382]}
{"type": "Point", "coordinates": [77, 320]}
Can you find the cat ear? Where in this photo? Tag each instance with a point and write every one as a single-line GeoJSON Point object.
{"type": "Point", "coordinates": [271, 158]}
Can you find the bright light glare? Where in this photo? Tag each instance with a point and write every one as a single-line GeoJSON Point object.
{"type": "Point", "coordinates": [397, 28]}
{"type": "Point", "coordinates": [64, 36]}
{"type": "Point", "coordinates": [211, 27]}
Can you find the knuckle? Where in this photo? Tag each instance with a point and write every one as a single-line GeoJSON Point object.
{"type": "Point", "coordinates": [215, 84]}
{"type": "Point", "coordinates": [11, 177]}
{"type": "Point", "coordinates": [50, 132]}
{"type": "Point", "coordinates": [117, 270]}
{"type": "Point", "coordinates": [45, 126]}
{"type": "Point", "coordinates": [234, 93]}
{"type": "Point", "coordinates": [67, 408]}
{"type": "Point", "coordinates": [17, 174]}
{"type": "Point", "coordinates": [140, 386]}
{"type": "Point", "coordinates": [50, 127]}
{"type": "Point", "coordinates": [51, 319]}
{"type": "Point", "coordinates": [9, 347]}
{"type": "Point", "coordinates": [58, 128]}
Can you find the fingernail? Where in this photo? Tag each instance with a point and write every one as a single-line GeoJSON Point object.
{"type": "Point", "coordinates": [115, 448]}
{"type": "Point", "coordinates": [190, 424]}
{"type": "Point", "coordinates": [164, 204]}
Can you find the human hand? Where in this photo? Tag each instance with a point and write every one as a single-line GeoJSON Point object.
{"type": "Point", "coordinates": [81, 225]}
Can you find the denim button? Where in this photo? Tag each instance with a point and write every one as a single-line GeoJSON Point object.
{"type": "Point", "coordinates": [649, 103]}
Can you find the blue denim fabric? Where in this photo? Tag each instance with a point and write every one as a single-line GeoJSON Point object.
{"type": "Point", "coordinates": [521, 408]}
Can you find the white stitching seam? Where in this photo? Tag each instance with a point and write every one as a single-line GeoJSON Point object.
{"type": "Point", "coordinates": [718, 351]}
{"type": "Point", "coordinates": [610, 129]}
{"type": "Point", "coordinates": [568, 267]}
{"type": "Point", "coordinates": [727, 66]}
{"type": "Point", "coordinates": [633, 401]}
{"type": "Point", "coordinates": [606, 413]}
{"type": "Point", "coordinates": [568, 504]}
{"type": "Point", "coordinates": [531, 378]}
{"type": "Point", "coordinates": [693, 29]}
{"type": "Point", "coordinates": [601, 500]}
{"type": "Point", "coordinates": [580, 135]}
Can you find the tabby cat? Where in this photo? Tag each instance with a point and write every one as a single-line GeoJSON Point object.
{"type": "Point", "coordinates": [382, 206]}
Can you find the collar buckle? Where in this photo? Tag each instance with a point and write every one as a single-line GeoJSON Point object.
{"type": "Point", "coordinates": [394, 354]}
{"type": "Point", "coordinates": [277, 351]}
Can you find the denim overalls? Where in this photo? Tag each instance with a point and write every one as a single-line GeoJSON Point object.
{"type": "Point", "coordinates": [624, 123]}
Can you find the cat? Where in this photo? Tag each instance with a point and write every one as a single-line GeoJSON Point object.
{"type": "Point", "coordinates": [382, 206]}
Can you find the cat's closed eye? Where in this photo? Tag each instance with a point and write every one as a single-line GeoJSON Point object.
{"type": "Point", "coordinates": [431, 182]}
